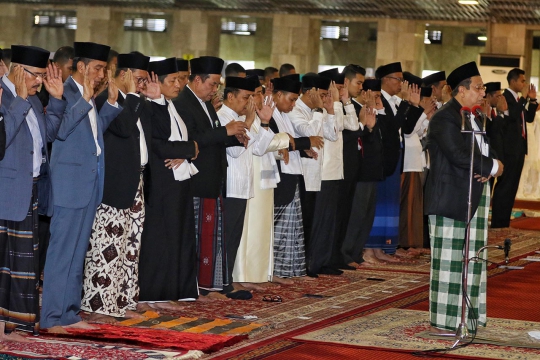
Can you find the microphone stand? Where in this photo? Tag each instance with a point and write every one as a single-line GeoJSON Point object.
{"type": "Point", "coordinates": [462, 333]}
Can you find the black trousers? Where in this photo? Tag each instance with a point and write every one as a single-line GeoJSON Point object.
{"type": "Point", "coordinates": [44, 235]}
{"type": "Point", "coordinates": [233, 221]}
{"type": "Point", "coordinates": [346, 197]}
{"type": "Point", "coordinates": [505, 191]}
{"type": "Point", "coordinates": [307, 203]}
{"type": "Point", "coordinates": [323, 230]}
{"type": "Point", "coordinates": [360, 221]}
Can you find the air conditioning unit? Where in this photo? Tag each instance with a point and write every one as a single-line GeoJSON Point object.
{"type": "Point", "coordinates": [495, 67]}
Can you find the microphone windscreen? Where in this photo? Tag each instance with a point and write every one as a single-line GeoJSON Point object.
{"type": "Point", "coordinates": [465, 109]}
{"type": "Point", "coordinates": [476, 109]}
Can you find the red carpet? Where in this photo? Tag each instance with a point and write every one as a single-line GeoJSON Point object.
{"type": "Point", "coordinates": [329, 352]}
{"type": "Point", "coordinates": [510, 295]}
{"type": "Point", "coordinates": [154, 338]}
{"type": "Point", "coordinates": [526, 223]}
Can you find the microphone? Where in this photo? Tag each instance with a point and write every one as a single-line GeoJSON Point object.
{"type": "Point", "coordinates": [465, 111]}
{"type": "Point", "coordinates": [477, 111]}
{"type": "Point", "coordinates": [507, 245]}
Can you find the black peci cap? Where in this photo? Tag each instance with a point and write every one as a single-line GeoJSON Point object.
{"type": "Point", "coordinates": [133, 61]}
{"type": "Point", "coordinates": [206, 65]}
{"type": "Point", "coordinates": [461, 73]}
{"type": "Point", "coordinates": [388, 69]}
{"type": "Point", "coordinates": [90, 50]}
{"type": "Point", "coordinates": [29, 55]}
{"type": "Point", "coordinates": [163, 67]}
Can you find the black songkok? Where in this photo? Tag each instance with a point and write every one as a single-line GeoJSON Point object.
{"type": "Point", "coordinates": [315, 81]}
{"type": "Point", "coordinates": [256, 72]}
{"type": "Point", "coordinates": [183, 65]}
{"type": "Point", "coordinates": [133, 61]}
{"type": "Point", "coordinates": [30, 56]}
{"type": "Point", "coordinates": [90, 50]}
{"type": "Point", "coordinates": [412, 79]}
{"type": "Point", "coordinates": [372, 84]}
{"type": "Point", "coordinates": [387, 69]}
{"type": "Point", "coordinates": [286, 84]}
{"type": "Point", "coordinates": [434, 78]}
{"type": "Point", "coordinates": [426, 91]}
{"type": "Point", "coordinates": [492, 86]}
{"type": "Point", "coordinates": [236, 82]}
{"type": "Point", "coordinates": [463, 72]}
{"type": "Point", "coordinates": [206, 65]}
{"type": "Point", "coordinates": [163, 67]}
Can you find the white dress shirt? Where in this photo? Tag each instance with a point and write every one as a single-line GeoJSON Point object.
{"type": "Point", "coordinates": [92, 116]}
{"type": "Point", "coordinates": [203, 104]}
{"type": "Point", "coordinates": [240, 158]}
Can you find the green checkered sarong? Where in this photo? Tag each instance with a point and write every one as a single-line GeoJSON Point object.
{"type": "Point", "coordinates": [447, 245]}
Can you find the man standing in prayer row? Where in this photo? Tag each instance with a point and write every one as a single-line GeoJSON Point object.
{"type": "Point", "coordinates": [446, 203]}
{"type": "Point", "coordinates": [110, 287]}
{"type": "Point", "coordinates": [203, 126]}
{"type": "Point", "coordinates": [238, 104]}
{"type": "Point", "coordinates": [77, 177]}
{"type": "Point", "coordinates": [167, 267]}
{"type": "Point", "coordinates": [27, 131]}
{"type": "Point", "coordinates": [522, 110]}
{"type": "Point", "coordinates": [289, 252]}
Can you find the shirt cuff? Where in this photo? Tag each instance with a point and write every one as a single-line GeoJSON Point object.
{"type": "Point", "coordinates": [381, 112]}
{"type": "Point", "coordinates": [160, 100]}
{"type": "Point", "coordinates": [132, 93]}
{"type": "Point", "coordinates": [495, 167]}
{"type": "Point", "coordinates": [115, 104]}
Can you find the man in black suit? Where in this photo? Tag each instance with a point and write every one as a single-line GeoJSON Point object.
{"type": "Point", "coordinates": [2, 131]}
{"type": "Point", "coordinates": [194, 106]}
{"type": "Point", "coordinates": [446, 201]}
{"type": "Point", "coordinates": [521, 110]}
{"type": "Point", "coordinates": [116, 237]}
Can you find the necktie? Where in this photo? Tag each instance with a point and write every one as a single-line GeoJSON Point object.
{"type": "Point", "coordinates": [493, 114]}
{"type": "Point", "coordinates": [522, 122]}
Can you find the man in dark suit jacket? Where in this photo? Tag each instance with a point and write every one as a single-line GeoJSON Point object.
{"type": "Point", "coordinates": [128, 141]}
{"type": "Point", "coordinates": [521, 110]}
{"type": "Point", "coordinates": [446, 200]}
{"type": "Point", "coordinates": [77, 177]}
{"type": "Point", "coordinates": [2, 132]}
{"type": "Point", "coordinates": [203, 126]}
{"type": "Point", "coordinates": [27, 131]}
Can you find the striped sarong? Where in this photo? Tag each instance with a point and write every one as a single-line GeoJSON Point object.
{"type": "Point", "coordinates": [447, 246]}
{"type": "Point", "coordinates": [289, 251]}
{"type": "Point", "coordinates": [19, 271]}
{"type": "Point", "coordinates": [210, 237]}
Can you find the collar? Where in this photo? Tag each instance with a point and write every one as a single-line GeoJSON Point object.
{"type": "Point", "coordinates": [198, 98]}
{"type": "Point", "coordinates": [230, 111]}
{"type": "Point", "coordinates": [79, 86]}
{"type": "Point", "coordinates": [9, 85]}
{"type": "Point", "coordinates": [121, 92]}
{"type": "Point", "coordinates": [386, 95]}
{"type": "Point", "coordinates": [512, 92]}
{"type": "Point", "coordinates": [303, 105]}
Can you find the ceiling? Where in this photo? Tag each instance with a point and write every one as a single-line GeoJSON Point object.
{"type": "Point", "coordinates": [502, 11]}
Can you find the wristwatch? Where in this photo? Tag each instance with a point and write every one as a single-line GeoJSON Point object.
{"type": "Point", "coordinates": [318, 110]}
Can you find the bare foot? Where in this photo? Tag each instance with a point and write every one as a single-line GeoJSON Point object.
{"type": "Point", "coordinates": [269, 285]}
{"type": "Point", "coordinates": [304, 278]}
{"type": "Point", "coordinates": [370, 258]}
{"type": "Point", "coordinates": [282, 281]}
{"type": "Point", "coordinates": [238, 286]}
{"type": "Point", "coordinates": [166, 305]}
{"type": "Point", "coordinates": [81, 325]}
{"type": "Point", "coordinates": [101, 318]}
{"type": "Point", "coordinates": [56, 330]}
{"type": "Point", "coordinates": [252, 286]}
{"type": "Point", "coordinates": [130, 314]}
{"type": "Point", "coordinates": [144, 306]}
{"type": "Point", "coordinates": [218, 296]}
{"type": "Point", "coordinates": [381, 255]}
{"type": "Point", "coordinates": [355, 265]}
{"type": "Point", "coordinates": [13, 336]}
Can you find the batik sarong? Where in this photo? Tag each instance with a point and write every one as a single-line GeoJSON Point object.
{"type": "Point", "coordinates": [19, 271]}
{"type": "Point", "coordinates": [447, 247]}
{"type": "Point", "coordinates": [289, 252]}
{"type": "Point", "coordinates": [211, 254]}
{"type": "Point", "coordinates": [111, 269]}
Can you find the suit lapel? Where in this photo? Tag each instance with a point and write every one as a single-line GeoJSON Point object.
{"type": "Point", "coordinates": [198, 108]}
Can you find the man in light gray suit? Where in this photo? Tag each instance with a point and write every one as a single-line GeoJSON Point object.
{"type": "Point", "coordinates": [77, 177]}
{"type": "Point", "coordinates": [28, 129]}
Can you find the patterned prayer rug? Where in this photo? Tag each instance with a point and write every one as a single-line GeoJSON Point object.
{"type": "Point", "coordinates": [409, 330]}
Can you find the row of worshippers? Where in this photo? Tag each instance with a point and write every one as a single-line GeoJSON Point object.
{"type": "Point", "coordinates": [253, 151]}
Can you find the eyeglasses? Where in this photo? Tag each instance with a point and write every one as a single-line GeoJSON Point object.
{"type": "Point", "coordinates": [272, 298]}
{"type": "Point", "coordinates": [141, 80]}
{"type": "Point", "coordinates": [480, 87]}
{"type": "Point", "coordinates": [396, 78]}
{"type": "Point", "coordinates": [43, 76]}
